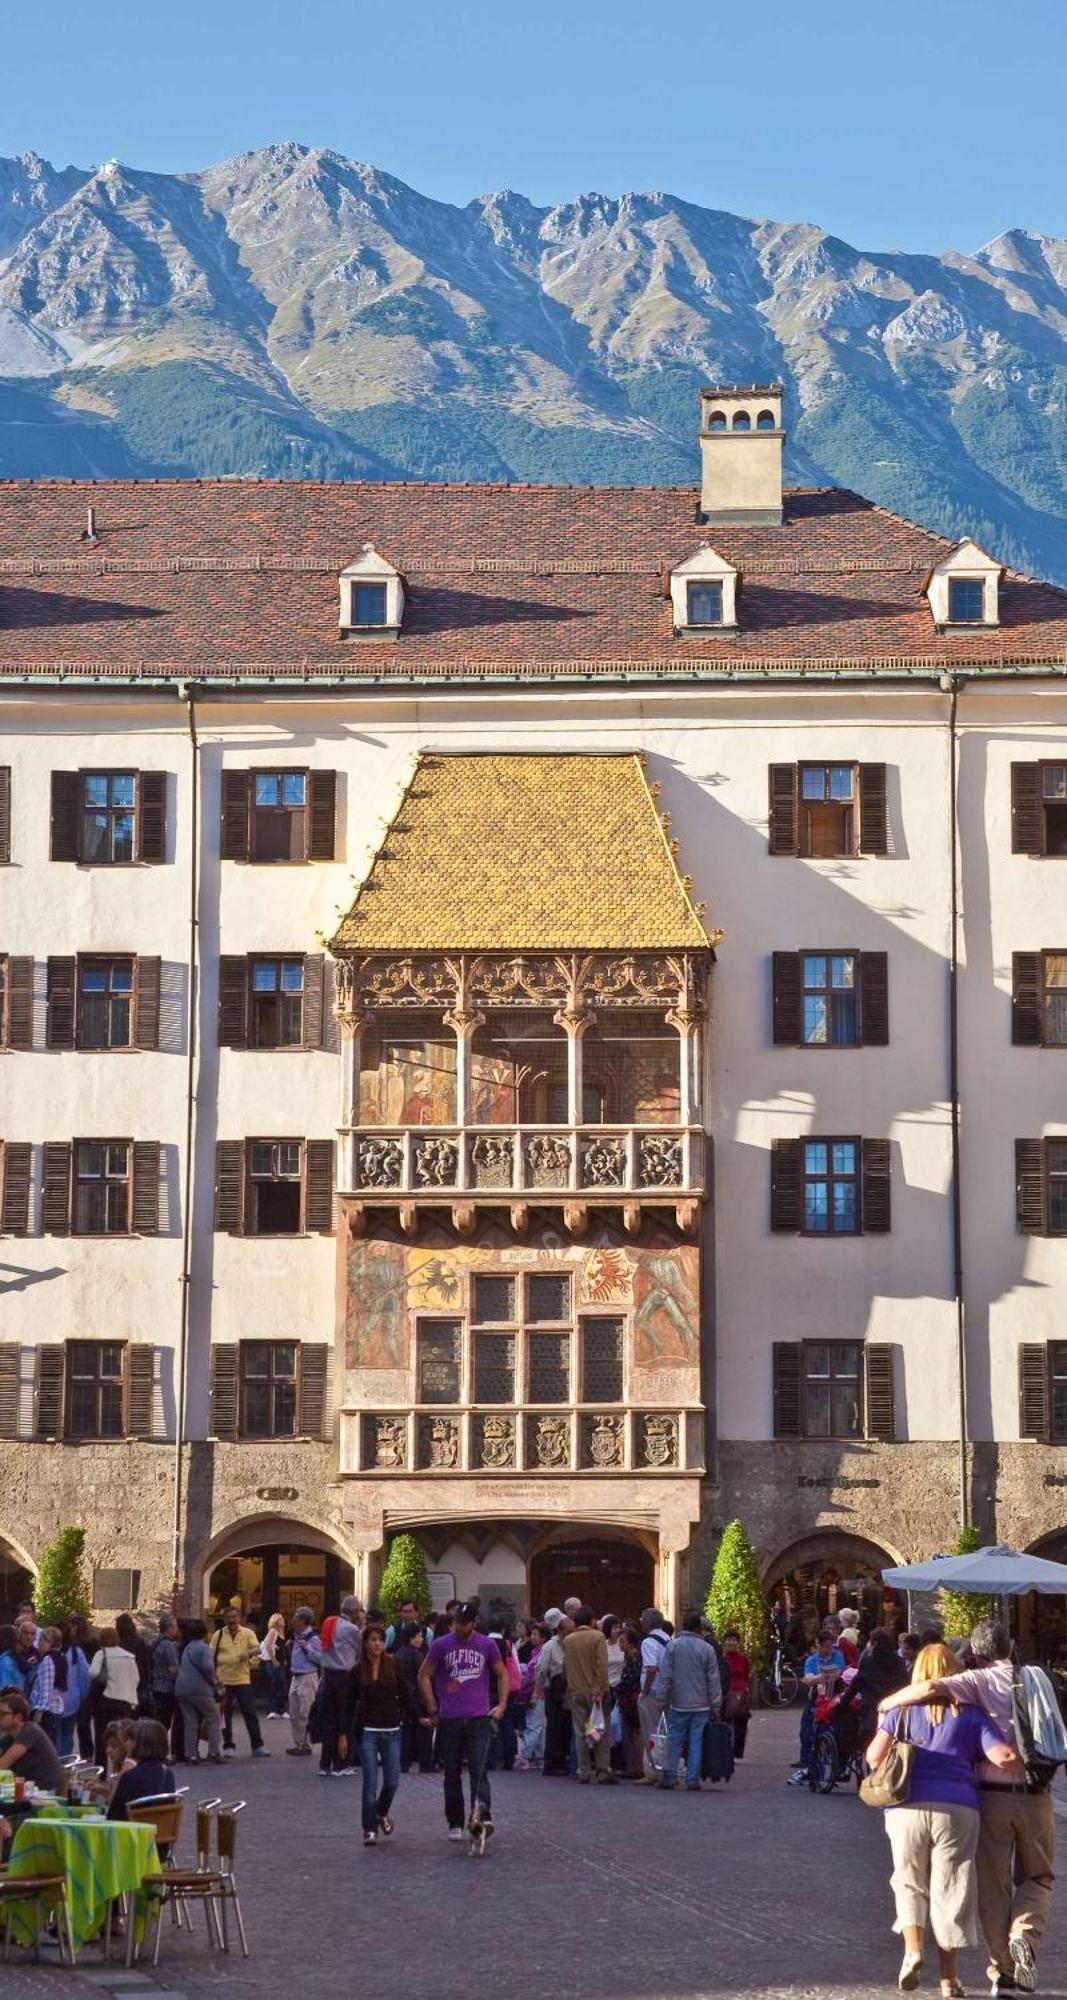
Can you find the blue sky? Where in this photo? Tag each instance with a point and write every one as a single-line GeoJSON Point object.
{"type": "Point", "coordinates": [919, 126]}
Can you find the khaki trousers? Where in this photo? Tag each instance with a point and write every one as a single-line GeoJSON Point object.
{"type": "Point", "coordinates": [1015, 1876]}
{"type": "Point", "coordinates": [586, 1753]}
{"type": "Point", "coordinates": [301, 1695]}
{"type": "Point", "coordinates": [649, 1710]}
{"type": "Point", "coordinates": [933, 1870]}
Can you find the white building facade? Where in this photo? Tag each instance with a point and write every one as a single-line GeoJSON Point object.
{"type": "Point", "coordinates": [840, 1309]}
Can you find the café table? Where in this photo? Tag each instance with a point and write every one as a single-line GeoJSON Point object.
{"type": "Point", "coordinates": [102, 1859]}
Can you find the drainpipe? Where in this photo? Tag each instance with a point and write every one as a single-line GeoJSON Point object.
{"type": "Point", "coordinates": [187, 693]}
{"type": "Point", "coordinates": [951, 686]}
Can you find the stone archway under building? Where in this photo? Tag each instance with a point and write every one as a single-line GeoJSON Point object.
{"type": "Point", "coordinates": [273, 1564]}
{"type": "Point", "coordinates": [826, 1570]}
{"type": "Point", "coordinates": [1040, 1623]}
{"type": "Point", "coordinates": [16, 1578]}
{"type": "Point", "coordinates": [521, 1568]}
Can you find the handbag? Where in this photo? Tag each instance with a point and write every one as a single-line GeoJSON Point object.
{"type": "Point", "coordinates": [737, 1705]}
{"type": "Point", "coordinates": [890, 1784]}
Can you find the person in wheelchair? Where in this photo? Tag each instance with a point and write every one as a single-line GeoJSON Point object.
{"type": "Point", "coordinates": [850, 1710]}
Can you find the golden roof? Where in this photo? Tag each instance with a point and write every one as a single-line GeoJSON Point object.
{"type": "Point", "coordinates": [524, 853]}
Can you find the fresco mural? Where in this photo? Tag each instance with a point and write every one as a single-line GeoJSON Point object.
{"type": "Point", "coordinates": [408, 1077]}
{"type": "Point", "coordinates": [376, 1323]}
{"type": "Point", "coordinates": [667, 1307]}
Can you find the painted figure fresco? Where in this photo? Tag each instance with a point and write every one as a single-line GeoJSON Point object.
{"type": "Point", "coordinates": [376, 1320]}
{"type": "Point", "coordinates": [667, 1312]}
{"type": "Point", "coordinates": [408, 1078]}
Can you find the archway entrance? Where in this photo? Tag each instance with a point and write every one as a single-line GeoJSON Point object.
{"type": "Point", "coordinates": [277, 1575]}
{"type": "Point", "coordinates": [16, 1583]}
{"type": "Point", "coordinates": [1040, 1623]}
{"type": "Point", "coordinates": [822, 1574]}
{"type": "Point", "coordinates": [611, 1570]}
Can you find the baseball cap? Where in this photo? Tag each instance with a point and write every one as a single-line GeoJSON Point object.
{"type": "Point", "coordinates": [553, 1619]}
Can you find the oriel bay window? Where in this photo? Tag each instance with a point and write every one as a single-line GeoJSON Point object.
{"type": "Point", "coordinates": [268, 1388]}
{"type": "Point", "coordinates": [523, 1344]}
{"type": "Point", "coordinates": [407, 1071]}
{"type": "Point", "coordinates": [631, 1069]}
{"type": "Point", "coordinates": [493, 1305]}
{"type": "Point", "coordinates": [518, 1069]}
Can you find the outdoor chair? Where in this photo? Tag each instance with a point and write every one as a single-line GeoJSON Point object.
{"type": "Point", "coordinates": [178, 1886]}
{"type": "Point", "coordinates": [44, 1892]}
{"type": "Point", "coordinates": [226, 1833]}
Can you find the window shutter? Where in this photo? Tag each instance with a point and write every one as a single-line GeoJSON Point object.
{"type": "Point", "coordinates": [1030, 1186]}
{"type": "Point", "coordinates": [235, 840]}
{"type": "Point", "coordinates": [146, 1010]}
{"type": "Point", "coordinates": [10, 1378]}
{"type": "Point", "coordinates": [787, 1360]}
{"type": "Point", "coordinates": [151, 816]}
{"type": "Point", "coordinates": [55, 1217]}
{"type": "Point", "coordinates": [230, 1186]}
{"type": "Point", "coordinates": [225, 1375]}
{"type": "Point", "coordinates": [20, 1003]}
{"type": "Point", "coordinates": [66, 800]}
{"type": "Point", "coordinates": [146, 1161]}
{"type": "Point", "coordinates": [784, 836]}
{"type": "Point", "coordinates": [314, 974]}
{"type": "Point", "coordinates": [314, 1383]}
{"type": "Point", "coordinates": [318, 1198]}
{"type": "Point", "coordinates": [233, 1003]}
{"type": "Point", "coordinates": [1026, 999]}
{"type": "Point", "coordinates": [874, 999]}
{"type": "Point", "coordinates": [51, 1370]}
{"type": "Point", "coordinates": [15, 1211]}
{"type": "Point", "coordinates": [874, 817]}
{"type": "Point", "coordinates": [5, 812]}
{"type": "Point", "coordinates": [322, 802]}
{"type": "Point", "coordinates": [62, 1000]}
{"type": "Point", "coordinates": [874, 1219]}
{"type": "Point", "coordinates": [1033, 1391]}
{"type": "Point", "coordinates": [139, 1388]}
{"type": "Point", "coordinates": [1026, 828]}
{"type": "Point", "coordinates": [786, 1190]}
{"type": "Point", "coordinates": [785, 975]}
{"type": "Point", "coordinates": [880, 1416]}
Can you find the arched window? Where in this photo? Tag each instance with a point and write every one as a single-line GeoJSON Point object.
{"type": "Point", "coordinates": [717, 421]}
{"type": "Point", "coordinates": [742, 421]}
{"type": "Point", "coordinates": [765, 421]}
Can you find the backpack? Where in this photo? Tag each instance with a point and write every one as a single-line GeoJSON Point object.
{"type": "Point", "coordinates": [1040, 1737]}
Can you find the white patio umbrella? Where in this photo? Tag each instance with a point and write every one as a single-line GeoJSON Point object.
{"type": "Point", "coordinates": [991, 1572]}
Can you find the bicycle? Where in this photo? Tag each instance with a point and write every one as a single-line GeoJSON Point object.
{"type": "Point", "coordinates": [779, 1687]}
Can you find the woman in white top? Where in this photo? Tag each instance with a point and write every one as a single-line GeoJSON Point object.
{"type": "Point", "coordinates": [113, 1682]}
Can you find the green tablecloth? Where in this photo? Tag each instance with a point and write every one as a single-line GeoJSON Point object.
{"type": "Point", "coordinates": [100, 1859]}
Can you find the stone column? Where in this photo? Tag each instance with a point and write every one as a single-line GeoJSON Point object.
{"type": "Point", "coordinates": [463, 1022]}
{"type": "Point", "coordinates": [574, 1020]}
{"type": "Point", "coordinates": [688, 1021]}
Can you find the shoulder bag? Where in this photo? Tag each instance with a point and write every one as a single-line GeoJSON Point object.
{"type": "Point", "coordinates": [890, 1784]}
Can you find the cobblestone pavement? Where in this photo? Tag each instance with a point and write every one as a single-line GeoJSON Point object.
{"type": "Point", "coordinates": [622, 1894]}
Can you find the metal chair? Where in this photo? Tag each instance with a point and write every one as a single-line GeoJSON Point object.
{"type": "Point", "coordinates": [45, 1892]}
{"type": "Point", "coordinates": [180, 1886]}
{"type": "Point", "coordinates": [226, 1832]}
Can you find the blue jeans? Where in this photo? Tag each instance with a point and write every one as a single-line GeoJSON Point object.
{"type": "Point", "coordinates": [375, 1745]}
{"type": "Point", "coordinates": [456, 1734]}
{"type": "Point", "coordinates": [686, 1728]}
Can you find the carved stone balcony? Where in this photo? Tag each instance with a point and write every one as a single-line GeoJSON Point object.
{"type": "Point", "coordinates": [594, 1161]}
{"type": "Point", "coordinates": [485, 1440]}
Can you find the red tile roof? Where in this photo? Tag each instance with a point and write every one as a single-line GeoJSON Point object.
{"type": "Point", "coordinates": [199, 578]}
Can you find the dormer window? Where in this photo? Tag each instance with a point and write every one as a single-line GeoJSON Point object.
{"type": "Point", "coordinates": [966, 597]}
{"type": "Point", "coordinates": [368, 604]}
{"type": "Point", "coordinates": [704, 603]}
{"type": "Point", "coordinates": [704, 593]}
{"type": "Point", "coordinates": [963, 589]}
{"type": "Point", "coordinates": [372, 597]}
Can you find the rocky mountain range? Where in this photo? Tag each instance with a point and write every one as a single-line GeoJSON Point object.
{"type": "Point", "coordinates": [293, 313]}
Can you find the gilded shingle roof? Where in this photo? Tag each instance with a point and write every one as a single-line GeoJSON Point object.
{"type": "Point", "coordinates": [203, 579]}
{"type": "Point", "coordinates": [524, 853]}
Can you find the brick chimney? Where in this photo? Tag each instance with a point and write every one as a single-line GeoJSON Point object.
{"type": "Point", "coordinates": [741, 439]}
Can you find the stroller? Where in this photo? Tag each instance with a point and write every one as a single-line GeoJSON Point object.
{"type": "Point", "coordinates": [843, 1729]}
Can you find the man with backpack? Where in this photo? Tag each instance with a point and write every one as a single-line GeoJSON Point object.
{"type": "Point", "coordinates": [654, 1643]}
{"type": "Point", "coordinates": [236, 1650]}
{"type": "Point", "coordinates": [1015, 1841]}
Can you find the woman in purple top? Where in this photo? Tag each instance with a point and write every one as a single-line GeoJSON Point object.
{"type": "Point", "coordinates": [934, 1834]}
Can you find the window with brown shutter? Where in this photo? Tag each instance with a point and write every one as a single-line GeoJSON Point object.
{"type": "Point", "coordinates": [10, 1386]}
{"type": "Point", "coordinates": [140, 1380]}
{"type": "Point", "coordinates": [230, 1186]}
{"type": "Point", "coordinates": [268, 1388]}
{"type": "Point", "coordinates": [16, 1157]}
{"type": "Point", "coordinates": [880, 1406]}
{"type": "Point", "coordinates": [875, 1203]}
{"type": "Point", "coordinates": [1039, 999]}
{"type": "Point", "coordinates": [874, 810]}
{"type": "Point", "coordinates": [102, 1187]}
{"type": "Point", "coordinates": [62, 1003]}
{"type": "Point", "coordinates": [151, 816]}
{"type": "Point", "coordinates": [1057, 1391]}
{"type": "Point", "coordinates": [104, 1015]}
{"type": "Point", "coordinates": [832, 999]}
{"type": "Point", "coordinates": [1041, 1186]}
{"type": "Point", "coordinates": [314, 985]}
{"type": "Point", "coordinates": [235, 831]}
{"type": "Point", "coordinates": [1034, 1391]}
{"type": "Point", "coordinates": [147, 985]}
{"type": "Point", "coordinates": [49, 1385]}
{"type": "Point", "coordinates": [322, 812]}
{"type": "Point", "coordinates": [787, 1358]}
{"type": "Point", "coordinates": [274, 1192]}
{"type": "Point", "coordinates": [55, 1217]}
{"type": "Point", "coordinates": [874, 999]}
{"type": "Point", "coordinates": [5, 812]}
{"type": "Point", "coordinates": [276, 1002]}
{"type": "Point", "coordinates": [147, 1156]}
{"type": "Point", "coordinates": [830, 1186]}
{"type": "Point", "coordinates": [788, 1028]}
{"type": "Point", "coordinates": [831, 1383]}
{"type": "Point", "coordinates": [786, 1185]}
{"type": "Point", "coordinates": [313, 1383]}
{"type": "Point", "coordinates": [1039, 809]}
{"type": "Point", "coordinates": [18, 1016]}
{"type": "Point", "coordinates": [319, 1189]}
{"type": "Point", "coordinates": [827, 810]}
{"type": "Point", "coordinates": [95, 1390]}
{"type": "Point", "coordinates": [66, 803]}
{"type": "Point", "coordinates": [784, 816]}
{"type": "Point", "coordinates": [225, 1367]}
{"type": "Point", "coordinates": [233, 1002]}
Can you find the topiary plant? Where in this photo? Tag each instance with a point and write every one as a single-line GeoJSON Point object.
{"type": "Point", "coordinates": [736, 1595]}
{"type": "Point", "coordinates": [404, 1577]}
{"type": "Point", "coordinates": [960, 1610]}
{"type": "Point", "coordinates": [61, 1590]}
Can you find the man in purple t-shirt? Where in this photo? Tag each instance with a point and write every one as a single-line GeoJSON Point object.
{"type": "Point", "coordinates": [455, 1681]}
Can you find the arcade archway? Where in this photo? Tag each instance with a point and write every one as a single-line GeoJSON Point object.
{"type": "Point", "coordinates": [824, 1572]}
{"type": "Point", "coordinates": [612, 1569]}
{"type": "Point", "coordinates": [16, 1580]}
{"type": "Point", "coordinates": [270, 1565]}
